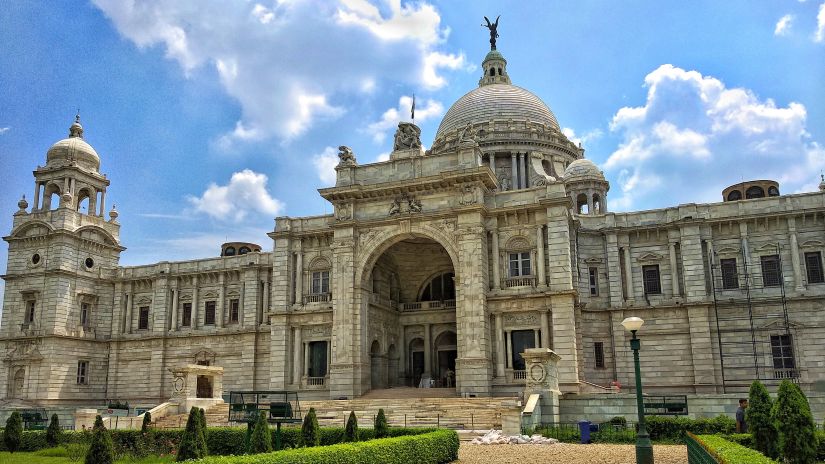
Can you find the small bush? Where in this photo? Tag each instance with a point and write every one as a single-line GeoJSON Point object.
{"type": "Point", "coordinates": [760, 423]}
{"type": "Point", "coordinates": [53, 432]}
{"type": "Point", "coordinates": [202, 431]}
{"type": "Point", "coordinates": [618, 420]}
{"type": "Point", "coordinates": [147, 422]}
{"type": "Point", "coordinates": [381, 426]}
{"type": "Point", "coordinates": [101, 450]}
{"type": "Point", "coordinates": [261, 440]}
{"type": "Point", "coordinates": [820, 449]}
{"type": "Point", "coordinates": [351, 431]}
{"type": "Point", "coordinates": [310, 435]}
{"type": "Point", "coordinates": [13, 432]}
{"type": "Point", "coordinates": [117, 404]}
{"type": "Point", "coordinates": [192, 443]}
{"type": "Point", "coordinates": [673, 429]}
{"type": "Point", "coordinates": [731, 453]}
{"type": "Point", "coordinates": [793, 419]}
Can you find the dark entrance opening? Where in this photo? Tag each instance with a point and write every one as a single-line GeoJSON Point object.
{"type": "Point", "coordinates": [417, 366]}
{"type": "Point", "coordinates": [204, 389]}
{"type": "Point", "coordinates": [522, 339]}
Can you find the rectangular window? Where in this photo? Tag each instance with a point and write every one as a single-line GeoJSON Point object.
{"type": "Point", "coordinates": [520, 341]}
{"type": "Point", "coordinates": [520, 264]}
{"type": "Point", "coordinates": [209, 314]}
{"type": "Point", "coordinates": [82, 372]}
{"type": "Point", "coordinates": [186, 319]}
{"type": "Point", "coordinates": [84, 315]}
{"type": "Point", "coordinates": [598, 347]}
{"type": "Point", "coordinates": [782, 351]}
{"type": "Point", "coordinates": [317, 359]}
{"type": "Point", "coordinates": [234, 310]}
{"type": "Point", "coordinates": [771, 273]}
{"type": "Point", "coordinates": [594, 281]}
{"type": "Point", "coordinates": [143, 318]}
{"type": "Point", "coordinates": [730, 274]}
{"type": "Point", "coordinates": [650, 275]}
{"type": "Point", "coordinates": [30, 307]}
{"type": "Point", "coordinates": [813, 264]}
{"type": "Point", "coordinates": [320, 282]}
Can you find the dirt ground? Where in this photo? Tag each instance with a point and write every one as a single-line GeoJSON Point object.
{"type": "Point", "coordinates": [564, 453]}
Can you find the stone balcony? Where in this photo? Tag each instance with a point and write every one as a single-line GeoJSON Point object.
{"type": "Point", "coordinates": [515, 282]}
{"type": "Point", "coordinates": [317, 298]}
{"type": "Point", "coordinates": [428, 305]}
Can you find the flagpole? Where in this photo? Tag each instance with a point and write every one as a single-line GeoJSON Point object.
{"type": "Point", "coordinates": [412, 110]}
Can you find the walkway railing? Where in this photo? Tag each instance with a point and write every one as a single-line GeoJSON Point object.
{"type": "Point", "coordinates": [428, 305]}
{"type": "Point", "coordinates": [697, 454]}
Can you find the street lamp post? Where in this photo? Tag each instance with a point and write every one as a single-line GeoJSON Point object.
{"type": "Point", "coordinates": [644, 448]}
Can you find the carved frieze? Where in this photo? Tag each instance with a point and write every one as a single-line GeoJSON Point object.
{"type": "Point", "coordinates": [521, 319]}
{"type": "Point", "coordinates": [404, 204]}
{"type": "Point", "coordinates": [314, 331]}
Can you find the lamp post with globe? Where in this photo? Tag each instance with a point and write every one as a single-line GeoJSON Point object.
{"type": "Point", "coordinates": [644, 448]}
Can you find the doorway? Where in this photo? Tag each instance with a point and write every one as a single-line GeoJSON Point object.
{"type": "Point", "coordinates": [416, 361]}
{"type": "Point", "coordinates": [204, 387]}
{"type": "Point", "coordinates": [446, 354]}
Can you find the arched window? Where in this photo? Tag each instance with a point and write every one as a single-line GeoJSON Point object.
{"type": "Point", "coordinates": [83, 201]}
{"type": "Point", "coordinates": [51, 198]}
{"type": "Point", "coordinates": [773, 191]}
{"type": "Point", "coordinates": [597, 203]}
{"type": "Point", "coordinates": [581, 204]}
{"type": "Point", "coordinates": [319, 276]}
{"type": "Point", "coordinates": [229, 251]}
{"type": "Point", "coordinates": [499, 71]}
{"type": "Point", "coordinates": [734, 195]}
{"type": "Point", "coordinates": [441, 287]}
{"type": "Point", "coordinates": [754, 192]}
{"type": "Point", "coordinates": [243, 250]}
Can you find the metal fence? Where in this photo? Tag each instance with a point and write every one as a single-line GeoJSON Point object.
{"type": "Point", "coordinates": [697, 454]}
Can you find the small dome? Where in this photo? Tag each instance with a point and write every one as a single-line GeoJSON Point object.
{"type": "Point", "coordinates": [582, 169]}
{"type": "Point", "coordinates": [73, 150]}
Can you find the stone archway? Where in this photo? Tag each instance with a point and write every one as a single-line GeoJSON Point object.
{"type": "Point", "coordinates": [17, 383]}
{"type": "Point", "coordinates": [446, 352]}
{"type": "Point", "coordinates": [378, 367]}
{"type": "Point", "coordinates": [392, 366]}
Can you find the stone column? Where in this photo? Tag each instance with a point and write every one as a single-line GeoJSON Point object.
{"type": "Point", "coordinates": [102, 203]}
{"type": "Point", "coordinates": [628, 273]}
{"type": "Point", "coordinates": [674, 271]}
{"type": "Point", "coordinates": [427, 352]}
{"type": "Point", "coordinates": [614, 272]}
{"type": "Point", "coordinates": [514, 181]}
{"type": "Point", "coordinates": [402, 357]}
{"type": "Point", "coordinates": [797, 268]}
{"type": "Point", "coordinates": [693, 263]}
{"type": "Point", "coordinates": [305, 367]}
{"type": "Point", "coordinates": [221, 301]}
{"type": "Point", "coordinates": [508, 355]}
{"type": "Point", "coordinates": [175, 295]}
{"type": "Point", "coordinates": [281, 352]}
{"type": "Point", "coordinates": [536, 341]}
{"type": "Point", "coordinates": [545, 329]}
{"type": "Point", "coordinates": [701, 348]}
{"type": "Point", "coordinates": [526, 170]}
{"type": "Point", "coordinates": [540, 255]}
{"type": "Point", "coordinates": [195, 304]}
{"type": "Point", "coordinates": [590, 201]}
{"type": "Point", "coordinates": [36, 196]}
{"type": "Point", "coordinates": [267, 290]}
{"type": "Point", "coordinates": [92, 210]}
{"type": "Point", "coordinates": [349, 372]}
{"type": "Point", "coordinates": [496, 264]}
{"type": "Point", "coordinates": [130, 310]}
{"type": "Point", "coordinates": [299, 276]}
{"type": "Point", "coordinates": [499, 347]}
{"type": "Point", "coordinates": [493, 165]}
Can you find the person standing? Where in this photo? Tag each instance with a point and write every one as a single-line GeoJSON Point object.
{"type": "Point", "coordinates": [741, 425]}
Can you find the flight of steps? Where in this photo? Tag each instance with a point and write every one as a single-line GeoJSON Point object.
{"type": "Point", "coordinates": [403, 406]}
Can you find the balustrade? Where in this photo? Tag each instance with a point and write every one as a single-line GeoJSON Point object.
{"type": "Point", "coordinates": [317, 298]}
{"type": "Point", "coordinates": [513, 282]}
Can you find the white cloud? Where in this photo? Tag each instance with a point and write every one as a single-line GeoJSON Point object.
{"type": "Point", "coordinates": [382, 157]}
{"type": "Point", "coordinates": [819, 35]}
{"type": "Point", "coordinates": [582, 140]}
{"type": "Point", "coordinates": [290, 64]}
{"type": "Point", "coordinates": [3, 130]}
{"type": "Point", "coordinates": [245, 193]}
{"type": "Point", "coordinates": [424, 110]}
{"type": "Point", "coordinates": [783, 26]}
{"type": "Point", "coordinates": [694, 136]}
{"type": "Point", "coordinates": [325, 163]}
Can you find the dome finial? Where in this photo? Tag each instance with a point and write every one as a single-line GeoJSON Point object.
{"type": "Point", "coordinates": [76, 130]}
{"type": "Point", "coordinates": [822, 183]}
{"type": "Point", "coordinates": [493, 27]}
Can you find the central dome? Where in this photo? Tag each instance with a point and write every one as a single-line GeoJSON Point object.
{"type": "Point", "coordinates": [496, 101]}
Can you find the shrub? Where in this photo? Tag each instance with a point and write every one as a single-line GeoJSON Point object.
{"type": "Point", "coordinates": [310, 435]}
{"type": "Point", "coordinates": [618, 420]}
{"type": "Point", "coordinates": [793, 419]}
{"type": "Point", "coordinates": [53, 432]}
{"type": "Point", "coordinates": [381, 426]}
{"type": "Point", "coordinates": [101, 450]}
{"type": "Point", "coordinates": [729, 452]}
{"type": "Point", "coordinates": [13, 431]}
{"type": "Point", "coordinates": [744, 439]}
{"type": "Point", "coordinates": [820, 449]}
{"type": "Point", "coordinates": [202, 431]}
{"type": "Point", "coordinates": [192, 443]}
{"type": "Point", "coordinates": [117, 404]}
{"type": "Point", "coordinates": [351, 431]}
{"type": "Point", "coordinates": [147, 422]}
{"type": "Point", "coordinates": [437, 447]}
{"type": "Point", "coordinates": [758, 418]}
{"type": "Point", "coordinates": [261, 440]}
{"type": "Point", "coordinates": [666, 428]}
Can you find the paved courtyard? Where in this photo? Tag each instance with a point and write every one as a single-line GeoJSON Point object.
{"type": "Point", "coordinates": [564, 453]}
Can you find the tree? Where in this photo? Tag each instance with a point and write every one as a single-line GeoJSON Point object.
{"type": "Point", "coordinates": [53, 432]}
{"type": "Point", "coordinates": [310, 434]}
{"type": "Point", "coordinates": [202, 429]}
{"type": "Point", "coordinates": [382, 429]}
{"type": "Point", "coordinates": [192, 443]}
{"type": "Point", "coordinates": [759, 420]}
{"type": "Point", "coordinates": [261, 439]}
{"type": "Point", "coordinates": [147, 422]}
{"type": "Point", "coordinates": [101, 450]}
{"type": "Point", "coordinates": [351, 432]}
{"type": "Point", "coordinates": [13, 432]}
{"type": "Point", "coordinates": [792, 417]}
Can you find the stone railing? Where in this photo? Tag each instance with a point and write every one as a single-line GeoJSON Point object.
{"type": "Point", "coordinates": [30, 329]}
{"type": "Point", "coordinates": [317, 298]}
{"type": "Point", "coordinates": [513, 282]}
{"type": "Point", "coordinates": [785, 374]}
{"type": "Point", "coordinates": [380, 300]}
{"type": "Point", "coordinates": [314, 383]}
{"type": "Point", "coordinates": [428, 305]}
{"type": "Point", "coordinates": [519, 375]}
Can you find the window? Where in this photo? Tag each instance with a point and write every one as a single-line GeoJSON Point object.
{"type": "Point", "coordinates": [441, 288]}
{"type": "Point", "coordinates": [734, 195]}
{"type": "Point", "coordinates": [773, 191]}
{"type": "Point", "coordinates": [187, 315]}
{"type": "Point", "coordinates": [521, 340]}
{"type": "Point", "coordinates": [594, 281]}
{"type": "Point", "coordinates": [650, 274]}
{"type": "Point", "coordinates": [229, 251]}
{"type": "Point", "coordinates": [813, 264]}
{"type": "Point", "coordinates": [82, 372]}
{"type": "Point", "coordinates": [782, 352]}
{"type": "Point", "coordinates": [317, 359]}
{"type": "Point", "coordinates": [143, 318]}
{"type": "Point", "coordinates": [754, 192]}
{"type": "Point", "coordinates": [90, 263]}
{"type": "Point", "coordinates": [598, 348]}
{"type": "Point", "coordinates": [234, 310]}
{"type": "Point", "coordinates": [243, 250]}
{"type": "Point", "coordinates": [209, 315]}
{"type": "Point", "coordinates": [730, 275]}
{"type": "Point", "coordinates": [520, 264]}
{"type": "Point", "coordinates": [771, 273]}
{"type": "Point", "coordinates": [30, 307]}
{"type": "Point", "coordinates": [320, 282]}
{"type": "Point", "coordinates": [84, 315]}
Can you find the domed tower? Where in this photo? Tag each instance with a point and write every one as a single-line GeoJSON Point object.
{"type": "Point", "coordinates": [587, 187]}
{"type": "Point", "coordinates": [63, 256]}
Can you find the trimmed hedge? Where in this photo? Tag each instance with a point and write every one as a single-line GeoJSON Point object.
{"type": "Point", "coordinates": [664, 428]}
{"type": "Point", "coordinates": [729, 452]}
{"type": "Point", "coordinates": [438, 447]}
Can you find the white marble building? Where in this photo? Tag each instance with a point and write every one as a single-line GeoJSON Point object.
{"type": "Point", "coordinates": [453, 260]}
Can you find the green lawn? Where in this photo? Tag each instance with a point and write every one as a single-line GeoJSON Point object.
{"type": "Point", "coordinates": [59, 456]}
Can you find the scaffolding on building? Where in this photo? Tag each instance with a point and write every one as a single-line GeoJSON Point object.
{"type": "Point", "coordinates": [753, 334]}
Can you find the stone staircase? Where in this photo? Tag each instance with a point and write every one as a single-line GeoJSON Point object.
{"type": "Point", "coordinates": [409, 407]}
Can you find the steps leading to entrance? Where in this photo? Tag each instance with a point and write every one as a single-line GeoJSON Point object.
{"type": "Point", "coordinates": [401, 409]}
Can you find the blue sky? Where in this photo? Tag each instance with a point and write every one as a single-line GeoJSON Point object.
{"type": "Point", "coordinates": [213, 117]}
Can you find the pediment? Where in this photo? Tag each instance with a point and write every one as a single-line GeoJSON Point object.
{"type": "Point", "coordinates": [728, 251]}
{"type": "Point", "coordinates": [768, 248]}
{"type": "Point", "coordinates": [186, 297]}
{"type": "Point", "coordinates": [144, 300]}
{"type": "Point", "coordinates": [650, 257]}
{"type": "Point", "coordinates": [593, 260]}
{"type": "Point", "coordinates": [812, 244]}
{"type": "Point", "coordinates": [779, 325]}
{"type": "Point", "coordinates": [210, 295]}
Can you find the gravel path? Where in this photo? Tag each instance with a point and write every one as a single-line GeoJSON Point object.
{"type": "Point", "coordinates": [564, 453]}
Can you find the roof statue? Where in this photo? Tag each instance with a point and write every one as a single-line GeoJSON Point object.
{"type": "Point", "coordinates": [346, 156]}
{"type": "Point", "coordinates": [493, 31]}
{"type": "Point", "coordinates": [407, 136]}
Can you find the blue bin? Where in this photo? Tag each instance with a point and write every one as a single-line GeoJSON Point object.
{"type": "Point", "coordinates": [584, 431]}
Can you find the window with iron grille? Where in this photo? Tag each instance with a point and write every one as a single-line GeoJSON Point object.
{"type": "Point", "coordinates": [209, 314]}
{"type": "Point", "coordinates": [30, 307]}
{"type": "Point", "coordinates": [84, 315]}
{"type": "Point", "coordinates": [598, 348]}
{"type": "Point", "coordinates": [650, 275]}
{"type": "Point", "coordinates": [813, 264]}
{"type": "Point", "coordinates": [82, 372]}
{"type": "Point", "coordinates": [320, 282]}
{"type": "Point", "coordinates": [143, 318]}
{"type": "Point", "coordinates": [782, 351]}
{"type": "Point", "coordinates": [520, 264]}
{"type": "Point", "coordinates": [186, 317]}
{"type": "Point", "coordinates": [594, 281]}
{"type": "Point", "coordinates": [771, 273]}
{"type": "Point", "coordinates": [234, 310]}
{"type": "Point", "coordinates": [730, 274]}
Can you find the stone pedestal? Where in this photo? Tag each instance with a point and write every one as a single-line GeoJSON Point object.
{"type": "Point", "coordinates": [543, 380]}
{"type": "Point", "coordinates": [185, 391]}
{"type": "Point", "coordinates": [407, 153]}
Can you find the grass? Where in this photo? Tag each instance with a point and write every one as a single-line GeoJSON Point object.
{"type": "Point", "coordinates": [59, 456]}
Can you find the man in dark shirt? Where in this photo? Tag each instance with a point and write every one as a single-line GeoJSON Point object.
{"type": "Point", "coordinates": [741, 425]}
